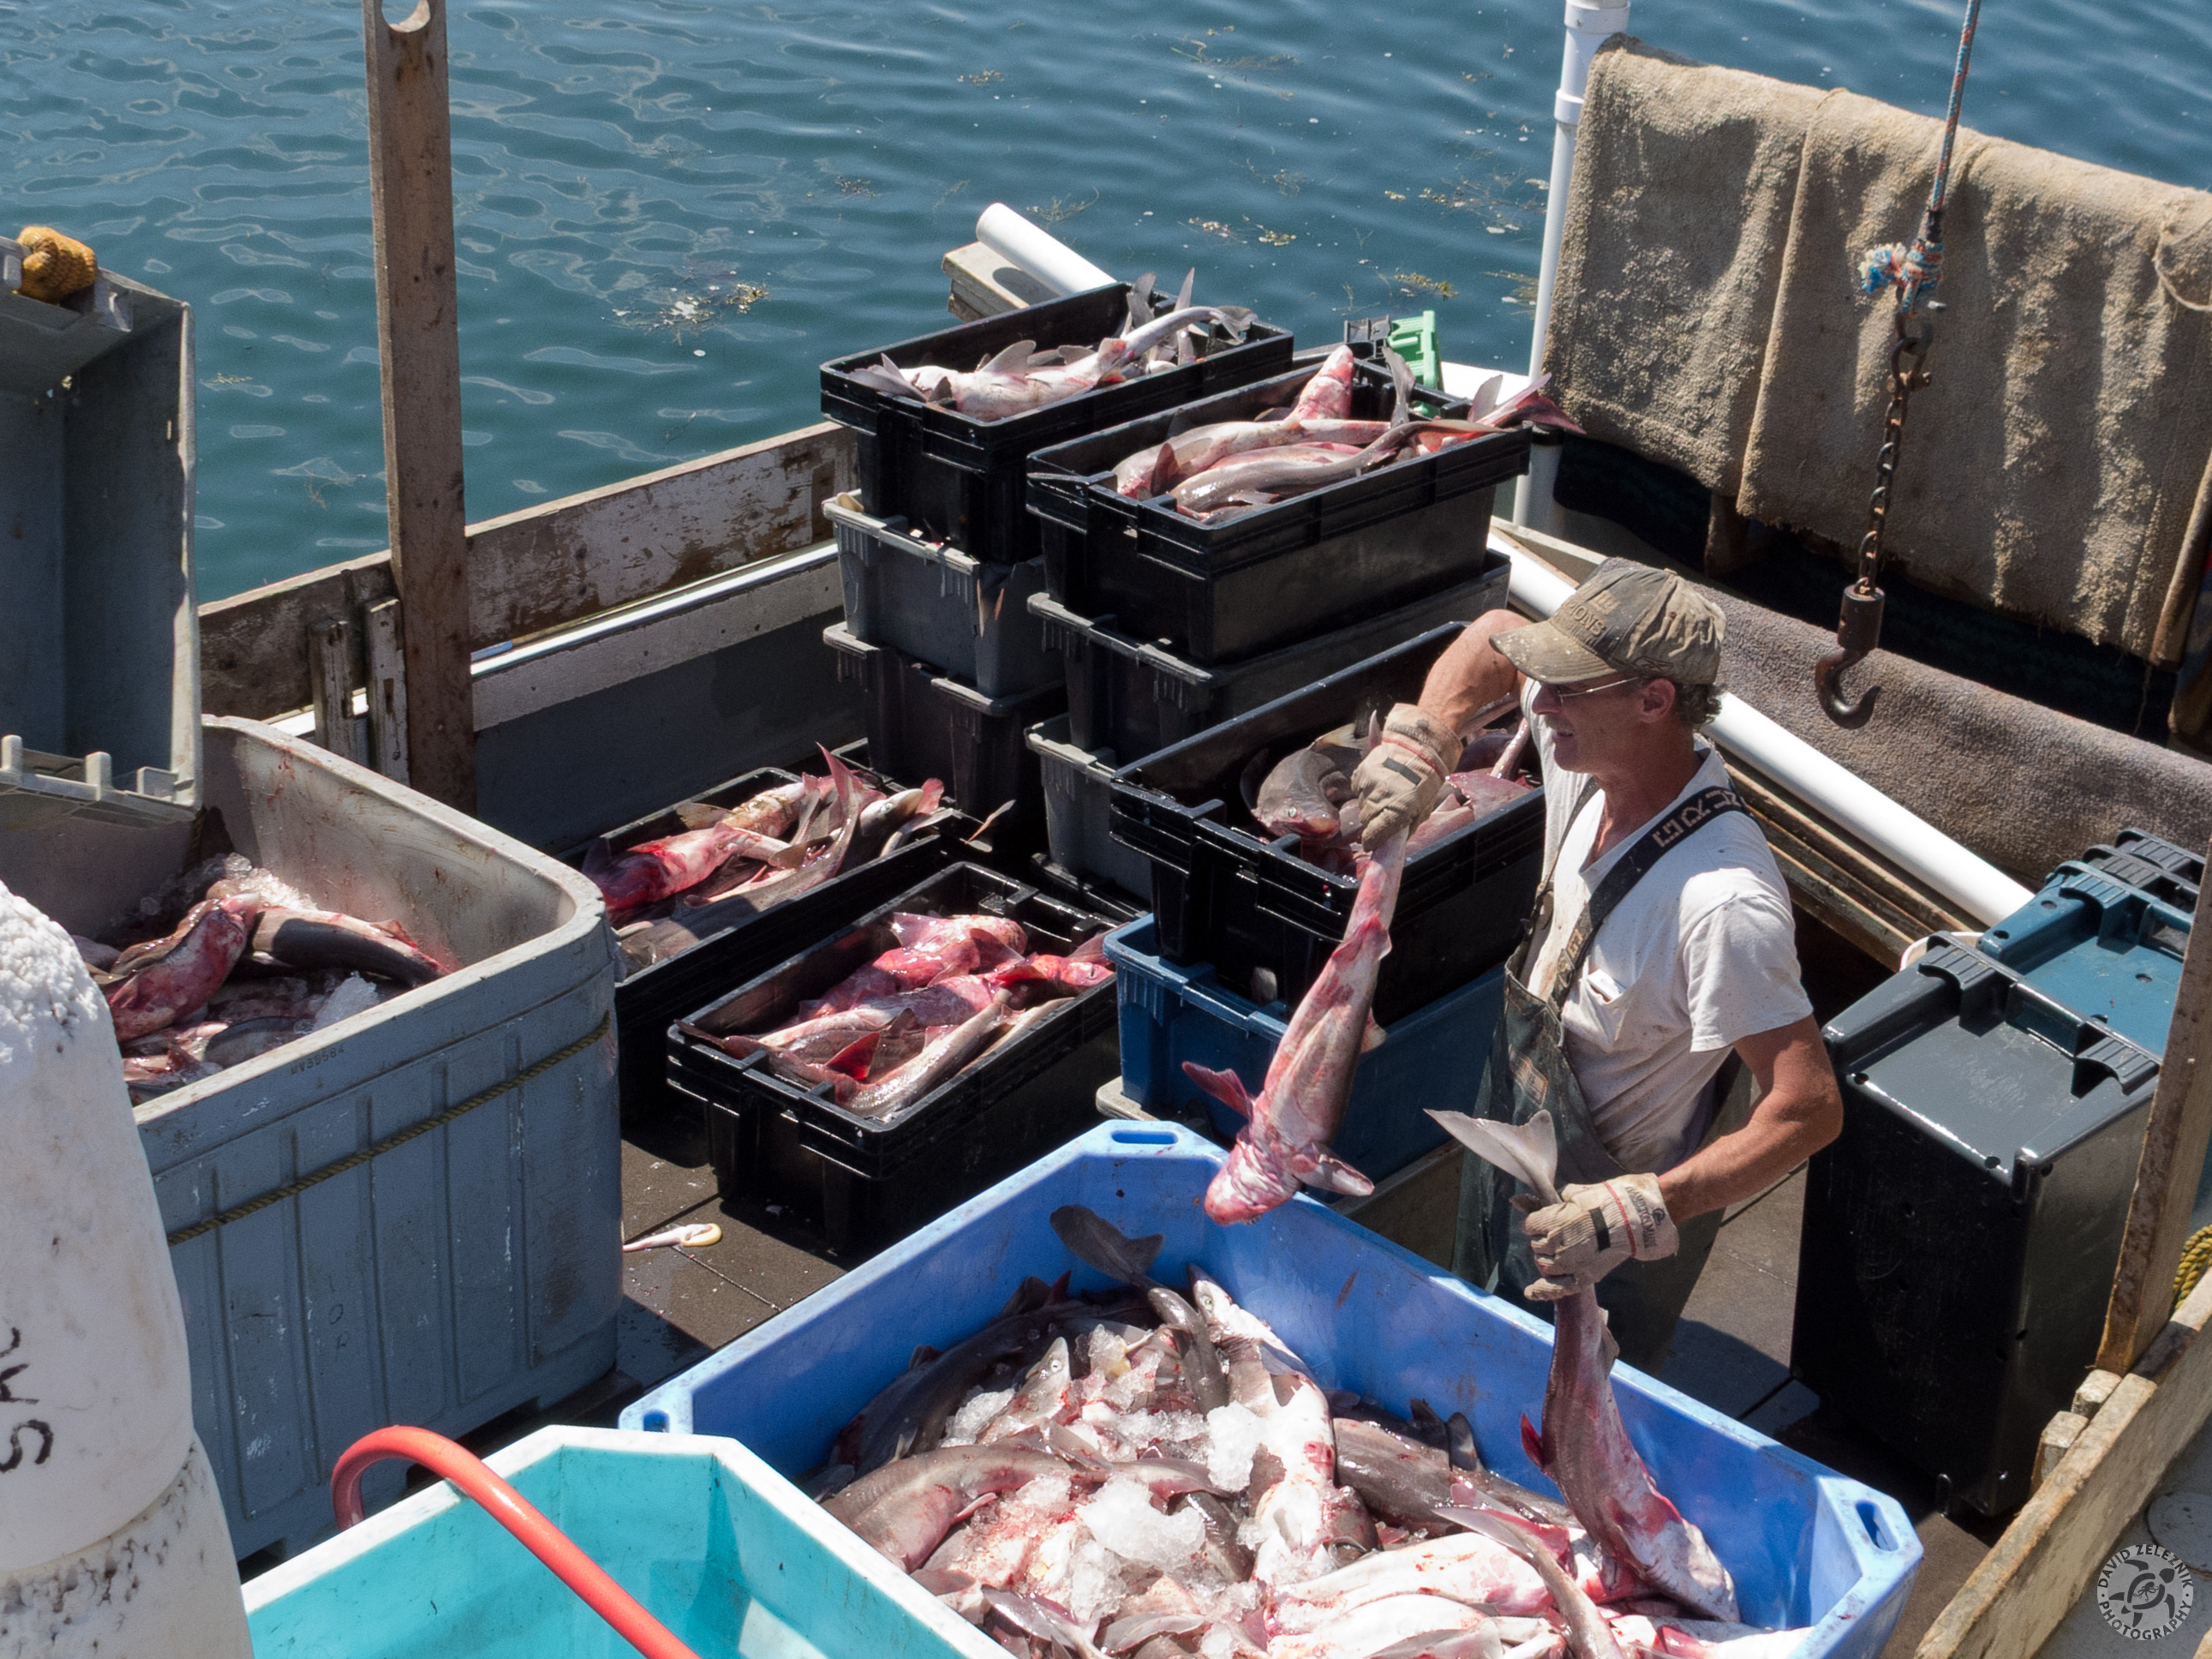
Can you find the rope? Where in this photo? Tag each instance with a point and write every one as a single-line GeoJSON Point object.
{"type": "Point", "coordinates": [377, 1149]}
{"type": "Point", "coordinates": [54, 266]}
{"type": "Point", "coordinates": [2158, 267]}
{"type": "Point", "coordinates": [2195, 1257]}
{"type": "Point", "coordinates": [1913, 270]}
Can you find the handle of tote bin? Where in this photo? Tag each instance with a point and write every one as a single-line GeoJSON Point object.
{"type": "Point", "coordinates": [513, 1511]}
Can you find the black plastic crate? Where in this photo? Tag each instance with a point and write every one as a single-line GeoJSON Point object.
{"type": "Point", "coordinates": [961, 480]}
{"type": "Point", "coordinates": [741, 946]}
{"type": "Point", "coordinates": [1276, 574]}
{"type": "Point", "coordinates": [968, 616]}
{"type": "Point", "coordinates": [869, 1181]}
{"type": "Point", "coordinates": [1079, 795]}
{"type": "Point", "coordinates": [1135, 698]}
{"type": "Point", "coordinates": [2171, 874]}
{"type": "Point", "coordinates": [924, 724]}
{"type": "Point", "coordinates": [1266, 918]}
{"type": "Point", "coordinates": [1961, 1234]}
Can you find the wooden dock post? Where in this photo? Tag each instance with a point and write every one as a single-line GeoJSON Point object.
{"type": "Point", "coordinates": [2166, 1176]}
{"type": "Point", "coordinates": [410, 169]}
{"type": "Point", "coordinates": [2152, 1391]}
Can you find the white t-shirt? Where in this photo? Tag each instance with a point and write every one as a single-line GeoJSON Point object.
{"type": "Point", "coordinates": [1701, 954]}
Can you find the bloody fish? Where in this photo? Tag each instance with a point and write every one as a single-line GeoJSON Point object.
{"type": "Point", "coordinates": [327, 938]}
{"type": "Point", "coordinates": [151, 985]}
{"type": "Point", "coordinates": [1585, 1447]}
{"type": "Point", "coordinates": [1285, 1141]}
{"type": "Point", "coordinates": [1020, 378]}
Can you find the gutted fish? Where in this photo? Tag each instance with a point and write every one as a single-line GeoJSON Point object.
{"type": "Point", "coordinates": [1285, 1141]}
{"type": "Point", "coordinates": [1585, 1447]}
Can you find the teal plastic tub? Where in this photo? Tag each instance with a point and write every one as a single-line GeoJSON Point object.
{"type": "Point", "coordinates": [719, 1548]}
{"type": "Point", "coordinates": [1807, 1546]}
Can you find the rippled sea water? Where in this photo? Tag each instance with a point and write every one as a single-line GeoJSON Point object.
{"type": "Point", "coordinates": [671, 212]}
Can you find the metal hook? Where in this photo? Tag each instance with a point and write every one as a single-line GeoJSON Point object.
{"type": "Point", "coordinates": [1858, 631]}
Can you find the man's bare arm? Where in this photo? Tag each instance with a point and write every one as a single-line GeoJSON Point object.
{"type": "Point", "coordinates": [1470, 676]}
{"type": "Point", "coordinates": [1800, 1110]}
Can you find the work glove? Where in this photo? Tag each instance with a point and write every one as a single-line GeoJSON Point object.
{"type": "Point", "coordinates": [1398, 784]}
{"type": "Point", "coordinates": [1593, 1229]}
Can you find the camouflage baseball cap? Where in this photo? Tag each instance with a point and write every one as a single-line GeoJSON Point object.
{"type": "Point", "coordinates": [1628, 618]}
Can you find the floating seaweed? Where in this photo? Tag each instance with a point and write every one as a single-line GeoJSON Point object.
{"type": "Point", "coordinates": [1524, 286]}
{"type": "Point", "coordinates": [1061, 208]}
{"type": "Point", "coordinates": [982, 78]}
{"type": "Point", "coordinates": [694, 308]}
{"type": "Point", "coordinates": [1412, 284]}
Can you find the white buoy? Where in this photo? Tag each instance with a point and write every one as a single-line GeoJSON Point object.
{"type": "Point", "coordinates": [113, 1538]}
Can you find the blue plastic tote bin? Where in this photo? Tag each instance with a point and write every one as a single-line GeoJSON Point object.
{"type": "Point", "coordinates": [1806, 1547]}
{"type": "Point", "coordinates": [2109, 951]}
{"type": "Point", "coordinates": [1432, 1057]}
{"type": "Point", "coordinates": [718, 1548]}
{"type": "Point", "coordinates": [2153, 863]}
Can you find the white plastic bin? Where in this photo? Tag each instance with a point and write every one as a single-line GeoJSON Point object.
{"type": "Point", "coordinates": [474, 1268]}
{"type": "Point", "coordinates": [100, 662]}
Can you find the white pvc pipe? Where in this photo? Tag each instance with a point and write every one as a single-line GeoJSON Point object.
{"type": "Point", "coordinates": [1042, 255]}
{"type": "Point", "coordinates": [1589, 22]}
{"type": "Point", "coordinates": [1975, 886]}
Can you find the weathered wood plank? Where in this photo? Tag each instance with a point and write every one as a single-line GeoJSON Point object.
{"type": "Point", "coordinates": [1863, 897]}
{"type": "Point", "coordinates": [2167, 1174]}
{"type": "Point", "coordinates": [336, 728]}
{"type": "Point", "coordinates": [2052, 1551]}
{"type": "Point", "coordinates": [986, 284]}
{"type": "Point", "coordinates": [388, 688]}
{"type": "Point", "coordinates": [418, 347]}
{"type": "Point", "coordinates": [550, 566]}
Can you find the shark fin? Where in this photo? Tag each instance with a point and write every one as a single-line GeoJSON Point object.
{"type": "Point", "coordinates": [1529, 1151]}
{"type": "Point", "coordinates": [1097, 1243]}
{"type": "Point", "coordinates": [1401, 384]}
{"type": "Point", "coordinates": [1372, 1039]}
{"type": "Point", "coordinates": [1332, 1175]}
{"type": "Point", "coordinates": [1013, 360]}
{"type": "Point", "coordinates": [852, 1059]}
{"type": "Point", "coordinates": [1140, 300]}
{"type": "Point", "coordinates": [698, 814]}
{"type": "Point", "coordinates": [1224, 1086]}
{"type": "Point", "coordinates": [1533, 1443]}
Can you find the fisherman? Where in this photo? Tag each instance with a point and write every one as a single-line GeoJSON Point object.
{"type": "Point", "coordinates": [1662, 945]}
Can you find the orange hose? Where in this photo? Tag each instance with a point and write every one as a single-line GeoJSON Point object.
{"type": "Point", "coordinates": [513, 1511]}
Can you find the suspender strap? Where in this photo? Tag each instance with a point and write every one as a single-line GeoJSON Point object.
{"type": "Point", "coordinates": [1684, 821]}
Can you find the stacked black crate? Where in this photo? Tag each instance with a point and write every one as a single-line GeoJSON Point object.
{"type": "Point", "coordinates": [938, 557]}
{"type": "Point", "coordinates": [1169, 624]}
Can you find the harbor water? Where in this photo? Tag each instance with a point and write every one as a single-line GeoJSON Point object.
{"type": "Point", "coordinates": [670, 211]}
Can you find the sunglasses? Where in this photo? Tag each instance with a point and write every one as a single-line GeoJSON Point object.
{"type": "Point", "coordinates": [1592, 690]}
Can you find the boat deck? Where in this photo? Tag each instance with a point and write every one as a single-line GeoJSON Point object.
{"type": "Point", "coordinates": [1732, 1352]}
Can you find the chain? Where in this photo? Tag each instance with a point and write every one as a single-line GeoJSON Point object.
{"type": "Point", "coordinates": [1906, 374]}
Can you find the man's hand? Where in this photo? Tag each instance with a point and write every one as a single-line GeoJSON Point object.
{"type": "Point", "coordinates": [1593, 1229]}
{"type": "Point", "coordinates": [1398, 783]}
